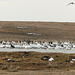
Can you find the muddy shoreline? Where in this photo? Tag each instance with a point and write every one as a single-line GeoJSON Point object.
{"type": "Point", "coordinates": [72, 51]}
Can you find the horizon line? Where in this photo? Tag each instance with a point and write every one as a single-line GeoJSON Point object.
{"type": "Point", "coordinates": [36, 21]}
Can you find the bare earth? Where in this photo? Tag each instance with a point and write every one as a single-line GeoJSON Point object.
{"type": "Point", "coordinates": [49, 31]}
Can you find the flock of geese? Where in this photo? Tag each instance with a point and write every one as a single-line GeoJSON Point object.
{"type": "Point", "coordinates": [37, 44]}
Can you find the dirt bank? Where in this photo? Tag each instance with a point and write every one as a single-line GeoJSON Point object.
{"type": "Point", "coordinates": [48, 30]}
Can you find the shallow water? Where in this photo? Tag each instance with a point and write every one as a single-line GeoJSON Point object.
{"type": "Point", "coordinates": [37, 50]}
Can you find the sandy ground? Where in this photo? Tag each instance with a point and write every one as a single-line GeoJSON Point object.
{"type": "Point", "coordinates": [71, 72]}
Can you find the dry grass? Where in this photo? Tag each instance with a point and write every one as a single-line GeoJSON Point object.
{"type": "Point", "coordinates": [32, 64]}
{"type": "Point", "coordinates": [32, 61]}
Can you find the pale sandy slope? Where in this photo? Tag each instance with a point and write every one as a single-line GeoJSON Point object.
{"type": "Point", "coordinates": [71, 72]}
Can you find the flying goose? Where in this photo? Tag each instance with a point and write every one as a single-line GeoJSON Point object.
{"type": "Point", "coordinates": [71, 3]}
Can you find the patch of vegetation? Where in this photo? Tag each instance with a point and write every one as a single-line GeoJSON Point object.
{"type": "Point", "coordinates": [33, 61]}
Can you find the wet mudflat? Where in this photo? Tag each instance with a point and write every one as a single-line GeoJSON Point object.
{"type": "Point", "coordinates": [38, 50]}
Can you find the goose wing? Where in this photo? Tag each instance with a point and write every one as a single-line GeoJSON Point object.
{"type": "Point", "coordinates": [71, 3]}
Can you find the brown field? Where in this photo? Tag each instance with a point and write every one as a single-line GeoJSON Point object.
{"type": "Point", "coordinates": [32, 64]}
{"type": "Point", "coordinates": [49, 31]}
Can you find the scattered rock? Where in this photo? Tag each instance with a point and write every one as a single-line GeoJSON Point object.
{"type": "Point", "coordinates": [71, 62]}
{"type": "Point", "coordinates": [51, 59]}
{"type": "Point", "coordinates": [45, 58]}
